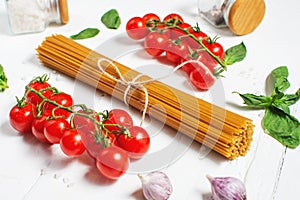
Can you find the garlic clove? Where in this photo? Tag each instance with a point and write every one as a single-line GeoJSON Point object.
{"type": "Point", "coordinates": [156, 185]}
{"type": "Point", "coordinates": [227, 188]}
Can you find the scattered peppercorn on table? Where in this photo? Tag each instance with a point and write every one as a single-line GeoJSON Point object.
{"type": "Point", "coordinates": [31, 169]}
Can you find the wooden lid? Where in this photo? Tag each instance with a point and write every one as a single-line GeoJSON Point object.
{"type": "Point", "coordinates": [63, 10]}
{"type": "Point", "coordinates": [245, 15]}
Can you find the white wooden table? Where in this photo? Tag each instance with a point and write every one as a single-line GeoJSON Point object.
{"type": "Point", "coordinates": [30, 170]}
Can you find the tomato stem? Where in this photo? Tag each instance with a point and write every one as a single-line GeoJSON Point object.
{"type": "Point", "coordinates": [99, 125]}
{"type": "Point", "coordinates": [203, 46]}
{"type": "Point", "coordinates": [40, 79]}
{"type": "Point", "coordinates": [21, 102]}
{"type": "Point", "coordinates": [173, 24]}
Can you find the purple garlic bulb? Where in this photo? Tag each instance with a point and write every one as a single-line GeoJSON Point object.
{"type": "Point", "coordinates": [156, 185]}
{"type": "Point", "coordinates": [227, 188]}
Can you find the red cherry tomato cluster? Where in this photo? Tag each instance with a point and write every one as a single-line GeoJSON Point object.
{"type": "Point", "coordinates": [109, 137]}
{"type": "Point", "coordinates": [179, 42]}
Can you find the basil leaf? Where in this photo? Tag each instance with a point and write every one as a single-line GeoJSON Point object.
{"type": "Point", "coordinates": [3, 79]}
{"type": "Point", "coordinates": [277, 120]}
{"type": "Point", "coordinates": [281, 106]}
{"type": "Point", "coordinates": [86, 33]}
{"type": "Point", "coordinates": [235, 54]}
{"type": "Point", "coordinates": [111, 19]}
{"type": "Point", "coordinates": [283, 101]}
{"type": "Point", "coordinates": [280, 75]}
{"type": "Point", "coordinates": [290, 99]}
{"type": "Point", "coordinates": [281, 71]}
{"type": "Point", "coordinates": [282, 126]}
{"type": "Point", "coordinates": [255, 101]}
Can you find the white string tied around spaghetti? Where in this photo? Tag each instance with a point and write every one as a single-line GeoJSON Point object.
{"type": "Point", "coordinates": [141, 84]}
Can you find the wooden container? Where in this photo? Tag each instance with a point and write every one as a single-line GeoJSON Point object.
{"type": "Point", "coordinates": [244, 16]}
{"type": "Point", "coordinates": [240, 16]}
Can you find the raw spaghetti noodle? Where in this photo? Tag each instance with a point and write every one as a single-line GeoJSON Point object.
{"type": "Point", "coordinates": [225, 132]}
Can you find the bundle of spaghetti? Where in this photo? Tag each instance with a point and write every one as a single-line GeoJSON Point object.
{"type": "Point", "coordinates": [224, 131]}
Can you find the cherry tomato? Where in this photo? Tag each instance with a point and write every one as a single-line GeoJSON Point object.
{"type": "Point", "coordinates": [54, 129]}
{"type": "Point", "coordinates": [202, 78]}
{"type": "Point", "coordinates": [118, 117]}
{"type": "Point", "coordinates": [176, 50]}
{"type": "Point", "coordinates": [137, 144]}
{"type": "Point", "coordinates": [151, 19]}
{"type": "Point", "coordinates": [71, 143]}
{"type": "Point", "coordinates": [215, 47]}
{"type": "Point", "coordinates": [199, 35]}
{"type": "Point", "coordinates": [163, 29]}
{"type": "Point", "coordinates": [176, 33]}
{"type": "Point", "coordinates": [63, 99]}
{"type": "Point", "coordinates": [38, 86]}
{"type": "Point", "coordinates": [208, 60]}
{"type": "Point", "coordinates": [199, 56]}
{"type": "Point", "coordinates": [22, 116]}
{"type": "Point", "coordinates": [112, 139]}
{"type": "Point", "coordinates": [174, 18]}
{"type": "Point", "coordinates": [38, 125]}
{"type": "Point", "coordinates": [112, 162]}
{"type": "Point", "coordinates": [84, 123]}
{"type": "Point", "coordinates": [93, 143]}
{"type": "Point", "coordinates": [188, 67]}
{"type": "Point", "coordinates": [136, 28]}
{"type": "Point", "coordinates": [155, 43]}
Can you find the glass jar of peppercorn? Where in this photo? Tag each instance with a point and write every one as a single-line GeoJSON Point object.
{"type": "Point", "coordinates": [240, 16]}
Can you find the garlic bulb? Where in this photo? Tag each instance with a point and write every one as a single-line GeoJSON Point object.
{"type": "Point", "coordinates": [156, 185]}
{"type": "Point", "coordinates": [227, 188]}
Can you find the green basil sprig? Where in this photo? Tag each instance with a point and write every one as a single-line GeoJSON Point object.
{"type": "Point", "coordinates": [86, 33]}
{"type": "Point", "coordinates": [3, 79]}
{"type": "Point", "coordinates": [111, 19]}
{"type": "Point", "coordinates": [277, 121]}
{"type": "Point", "coordinates": [235, 54]}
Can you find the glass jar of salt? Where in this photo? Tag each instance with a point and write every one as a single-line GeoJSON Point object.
{"type": "Point", "coordinates": [30, 16]}
{"type": "Point", "coordinates": [240, 16]}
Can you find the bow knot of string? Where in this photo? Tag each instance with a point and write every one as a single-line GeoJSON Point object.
{"type": "Point", "coordinates": [135, 83]}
